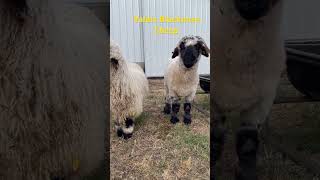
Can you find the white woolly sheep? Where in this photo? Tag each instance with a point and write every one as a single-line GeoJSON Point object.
{"type": "Point", "coordinates": [249, 57]}
{"type": "Point", "coordinates": [52, 90]}
{"type": "Point", "coordinates": [181, 78]}
{"type": "Point", "coordinates": [129, 87]}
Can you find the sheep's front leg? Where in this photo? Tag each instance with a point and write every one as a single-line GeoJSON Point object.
{"type": "Point", "coordinates": [247, 140]}
{"type": "Point", "coordinates": [247, 147]}
{"type": "Point", "coordinates": [187, 109]}
{"type": "Point", "coordinates": [175, 109]}
{"type": "Point", "coordinates": [217, 136]}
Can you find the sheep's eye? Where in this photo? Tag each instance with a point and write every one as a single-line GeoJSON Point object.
{"type": "Point", "coordinates": [182, 46]}
{"type": "Point", "coordinates": [198, 46]}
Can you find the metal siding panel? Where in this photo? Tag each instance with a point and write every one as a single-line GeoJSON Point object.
{"type": "Point", "coordinates": [139, 42]}
{"type": "Point", "coordinates": [124, 31]}
{"type": "Point", "coordinates": [159, 49]}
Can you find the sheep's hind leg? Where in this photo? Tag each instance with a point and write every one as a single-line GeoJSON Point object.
{"type": "Point", "coordinates": [167, 107]}
{"type": "Point", "coordinates": [187, 113]}
{"type": "Point", "coordinates": [217, 136]}
{"type": "Point", "coordinates": [175, 109]}
{"type": "Point", "coordinates": [118, 129]}
{"type": "Point", "coordinates": [128, 129]}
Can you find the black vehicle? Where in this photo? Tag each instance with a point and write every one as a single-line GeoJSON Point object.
{"type": "Point", "coordinates": [303, 66]}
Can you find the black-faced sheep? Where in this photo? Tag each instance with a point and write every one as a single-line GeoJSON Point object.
{"type": "Point", "coordinates": [129, 87]}
{"type": "Point", "coordinates": [52, 90]}
{"type": "Point", "coordinates": [248, 57]}
{"type": "Point", "coordinates": [181, 78]}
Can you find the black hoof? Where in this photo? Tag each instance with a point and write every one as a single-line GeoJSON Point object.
{"type": "Point", "coordinates": [119, 132]}
{"type": "Point", "coordinates": [174, 119]}
{"type": "Point", "coordinates": [167, 108]}
{"type": "Point", "coordinates": [187, 119]}
{"type": "Point", "coordinates": [127, 136]}
{"type": "Point", "coordinates": [247, 147]}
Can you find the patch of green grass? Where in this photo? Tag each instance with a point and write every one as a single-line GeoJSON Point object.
{"type": "Point", "coordinates": [139, 121]}
{"type": "Point", "coordinates": [203, 100]}
{"type": "Point", "coordinates": [184, 137]}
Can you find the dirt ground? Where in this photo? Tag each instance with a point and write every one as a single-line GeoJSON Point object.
{"type": "Point", "coordinates": [159, 149]}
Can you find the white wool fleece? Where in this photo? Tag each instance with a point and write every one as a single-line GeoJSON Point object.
{"type": "Point", "coordinates": [180, 81]}
{"type": "Point", "coordinates": [52, 92]}
{"type": "Point", "coordinates": [129, 87]}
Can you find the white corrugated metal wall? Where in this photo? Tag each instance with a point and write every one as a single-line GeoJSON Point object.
{"type": "Point", "coordinates": [124, 31]}
{"type": "Point", "coordinates": [139, 42]}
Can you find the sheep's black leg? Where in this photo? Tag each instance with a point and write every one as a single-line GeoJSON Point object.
{"type": "Point", "coordinates": [217, 136]}
{"type": "Point", "coordinates": [174, 113]}
{"type": "Point", "coordinates": [187, 113]}
{"type": "Point", "coordinates": [128, 129]}
{"type": "Point", "coordinates": [247, 146]}
{"type": "Point", "coordinates": [217, 140]}
{"type": "Point", "coordinates": [167, 108]}
{"type": "Point", "coordinates": [118, 129]}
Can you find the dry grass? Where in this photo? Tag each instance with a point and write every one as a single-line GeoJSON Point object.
{"type": "Point", "coordinates": [160, 150]}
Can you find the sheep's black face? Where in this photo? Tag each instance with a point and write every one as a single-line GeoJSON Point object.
{"type": "Point", "coordinates": [190, 49]}
{"type": "Point", "coordinates": [189, 54]}
{"type": "Point", "coordinates": [252, 9]}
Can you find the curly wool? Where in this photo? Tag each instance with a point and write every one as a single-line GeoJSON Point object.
{"type": "Point", "coordinates": [51, 97]}
{"type": "Point", "coordinates": [129, 87]}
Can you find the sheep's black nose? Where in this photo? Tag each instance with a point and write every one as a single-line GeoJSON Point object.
{"type": "Point", "coordinates": [252, 9]}
{"type": "Point", "coordinates": [189, 61]}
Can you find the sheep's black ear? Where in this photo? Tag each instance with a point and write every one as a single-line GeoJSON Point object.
{"type": "Point", "coordinates": [114, 63]}
{"type": "Point", "coordinates": [175, 53]}
{"type": "Point", "coordinates": [204, 49]}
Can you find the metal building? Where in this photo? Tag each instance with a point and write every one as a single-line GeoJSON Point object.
{"type": "Point", "coordinates": [139, 41]}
